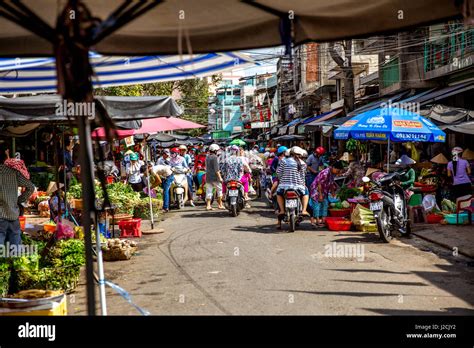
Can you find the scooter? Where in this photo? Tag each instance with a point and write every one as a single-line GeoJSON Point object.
{"type": "Point", "coordinates": [293, 209]}
{"type": "Point", "coordinates": [234, 198]}
{"type": "Point", "coordinates": [388, 202]}
{"type": "Point", "coordinates": [179, 187]}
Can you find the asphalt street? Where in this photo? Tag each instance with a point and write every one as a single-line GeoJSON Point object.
{"type": "Point", "coordinates": [208, 263]}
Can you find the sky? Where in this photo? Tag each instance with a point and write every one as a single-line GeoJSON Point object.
{"type": "Point", "coordinates": [266, 57]}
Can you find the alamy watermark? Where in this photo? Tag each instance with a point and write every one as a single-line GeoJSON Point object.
{"type": "Point", "coordinates": [17, 250]}
{"type": "Point", "coordinates": [75, 109]}
{"type": "Point", "coordinates": [399, 108]}
{"type": "Point", "coordinates": [342, 251]}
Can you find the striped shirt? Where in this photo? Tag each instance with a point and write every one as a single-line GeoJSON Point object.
{"type": "Point", "coordinates": [10, 180]}
{"type": "Point", "coordinates": [288, 174]}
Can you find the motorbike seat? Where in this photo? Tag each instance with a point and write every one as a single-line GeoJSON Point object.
{"type": "Point", "coordinates": [389, 177]}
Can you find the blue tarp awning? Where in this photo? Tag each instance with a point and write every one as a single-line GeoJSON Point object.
{"type": "Point", "coordinates": [38, 75]}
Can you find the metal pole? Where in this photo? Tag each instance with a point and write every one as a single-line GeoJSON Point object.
{"type": "Point", "coordinates": [388, 155]}
{"type": "Point", "coordinates": [87, 177]}
{"type": "Point", "coordinates": [100, 269]}
{"type": "Point", "coordinates": [148, 185]}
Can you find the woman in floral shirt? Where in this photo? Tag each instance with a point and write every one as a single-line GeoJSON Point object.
{"type": "Point", "coordinates": [321, 187]}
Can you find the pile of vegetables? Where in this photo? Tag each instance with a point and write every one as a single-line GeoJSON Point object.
{"type": "Point", "coordinates": [75, 191]}
{"type": "Point", "coordinates": [142, 209]}
{"type": "Point", "coordinates": [340, 205]}
{"type": "Point", "coordinates": [4, 277]}
{"type": "Point", "coordinates": [121, 195]}
{"type": "Point", "coordinates": [345, 193]}
{"type": "Point", "coordinates": [448, 206]}
{"type": "Point", "coordinates": [58, 270]}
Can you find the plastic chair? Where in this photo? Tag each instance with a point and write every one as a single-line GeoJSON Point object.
{"type": "Point", "coordinates": [465, 204]}
{"type": "Point", "coordinates": [415, 206]}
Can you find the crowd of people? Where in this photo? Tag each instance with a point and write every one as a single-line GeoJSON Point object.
{"type": "Point", "coordinates": [208, 169]}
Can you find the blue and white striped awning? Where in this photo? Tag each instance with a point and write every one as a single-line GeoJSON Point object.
{"type": "Point", "coordinates": [38, 75]}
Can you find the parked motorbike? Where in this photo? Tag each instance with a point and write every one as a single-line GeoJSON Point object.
{"type": "Point", "coordinates": [179, 186]}
{"type": "Point", "coordinates": [389, 205]}
{"type": "Point", "coordinates": [293, 209]}
{"type": "Point", "coordinates": [234, 198]}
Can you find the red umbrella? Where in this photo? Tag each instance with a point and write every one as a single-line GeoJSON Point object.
{"type": "Point", "coordinates": [151, 126]}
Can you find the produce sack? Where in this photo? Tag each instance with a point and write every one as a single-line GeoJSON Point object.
{"type": "Point", "coordinates": [362, 216]}
{"type": "Point", "coordinates": [429, 203]}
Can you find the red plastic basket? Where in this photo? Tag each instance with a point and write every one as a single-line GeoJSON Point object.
{"type": "Point", "coordinates": [130, 228]}
{"type": "Point", "coordinates": [338, 224]}
{"type": "Point", "coordinates": [434, 218]}
{"type": "Point", "coordinates": [339, 212]}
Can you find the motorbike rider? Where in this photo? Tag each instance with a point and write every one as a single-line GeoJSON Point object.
{"type": "Point", "coordinates": [246, 177]}
{"type": "Point", "coordinates": [213, 177]}
{"type": "Point", "coordinates": [321, 187]}
{"type": "Point", "coordinates": [291, 175]}
{"type": "Point", "coordinates": [189, 163]}
{"type": "Point", "coordinates": [165, 158]}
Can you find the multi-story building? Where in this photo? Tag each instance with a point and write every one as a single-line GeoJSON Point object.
{"type": "Point", "coordinates": [224, 107]}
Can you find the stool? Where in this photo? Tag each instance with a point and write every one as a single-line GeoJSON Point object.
{"type": "Point", "coordinates": [416, 214]}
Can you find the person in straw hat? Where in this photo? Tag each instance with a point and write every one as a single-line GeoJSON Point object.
{"type": "Point", "coordinates": [459, 169]}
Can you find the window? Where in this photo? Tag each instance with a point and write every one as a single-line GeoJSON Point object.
{"type": "Point", "coordinates": [227, 115]}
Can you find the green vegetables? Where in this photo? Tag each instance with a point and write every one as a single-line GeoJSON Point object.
{"type": "Point", "coordinates": [142, 209]}
{"type": "Point", "coordinates": [122, 196]}
{"type": "Point", "coordinates": [345, 193]}
{"type": "Point", "coordinates": [59, 270]}
{"type": "Point", "coordinates": [4, 277]}
{"type": "Point", "coordinates": [75, 191]}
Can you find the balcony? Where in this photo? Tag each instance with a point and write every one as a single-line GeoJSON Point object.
{"type": "Point", "coordinates": [447, 53]}
{"type": "Point", "coordinates": [390, 73]}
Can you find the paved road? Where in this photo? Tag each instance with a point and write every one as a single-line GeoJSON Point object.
{"type": "Point", "coordinates": [210, 263]}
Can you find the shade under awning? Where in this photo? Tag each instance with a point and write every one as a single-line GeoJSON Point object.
{"type": "Point", "coordinates": [465, 127]}
{"type": "Point", "coordinates": [320, 121]}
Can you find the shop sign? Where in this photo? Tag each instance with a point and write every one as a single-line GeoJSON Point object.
{"type": "Point", "coordinates": [407, 124]}
{"type": "Point", "coordinates": [129, 141]}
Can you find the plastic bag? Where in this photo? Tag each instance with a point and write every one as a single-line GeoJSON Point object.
{"type": "Point", "coordinates": [429, 203]}
{"type": "Point", "coordinates": [65, 230]}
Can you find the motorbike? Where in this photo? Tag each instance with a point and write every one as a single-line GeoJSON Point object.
{"type": "Point", "coordinates": [293, 209]}
{"type": "Point", "coordinates": [179, 187]}
{"type": "Point", "coordinates": [234, 198]}
{"type": "Point", "coordinates": [389, 204]}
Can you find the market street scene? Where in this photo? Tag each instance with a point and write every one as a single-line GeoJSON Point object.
{"type": "Point", "coordinates": [276, 161]}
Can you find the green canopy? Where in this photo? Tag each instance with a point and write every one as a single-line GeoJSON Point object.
{"type": "Point", "coordinates": [238, 142]}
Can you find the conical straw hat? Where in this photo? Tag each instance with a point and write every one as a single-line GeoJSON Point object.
{"type": "Point", "coordinates": [440, 159]}
{"type": "Point", "coordinates": [468, 154]}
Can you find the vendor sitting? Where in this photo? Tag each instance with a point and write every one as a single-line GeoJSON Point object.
{"type": "Point", "coordinates": [408, 179]}
{"type": "Point", "coordinates": [57, 196]}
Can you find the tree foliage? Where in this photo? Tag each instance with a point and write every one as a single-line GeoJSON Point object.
{"type": "Point", "coordinates": [193, 96]}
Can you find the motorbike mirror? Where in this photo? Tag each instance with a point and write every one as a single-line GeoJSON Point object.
{"type": "Point", "coordinates": [366, 179]}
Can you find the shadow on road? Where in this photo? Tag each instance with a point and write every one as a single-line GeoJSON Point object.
{"type": "Point", "coordinates": [447, 311]}
{"type": "Point", "coordinates": [368, 271]}
{"type": "Point", "coordinates": [382, 282]}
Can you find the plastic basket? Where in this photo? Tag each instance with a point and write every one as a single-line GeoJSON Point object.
{"type": "Point", "coordinates": [338, 224]}
{"type": "Point", "coordinates": [434, 218]}
{"type": "Point", "coordinates": [339, 212]}
{"type": "Point", "coordinates": [453, 219]}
